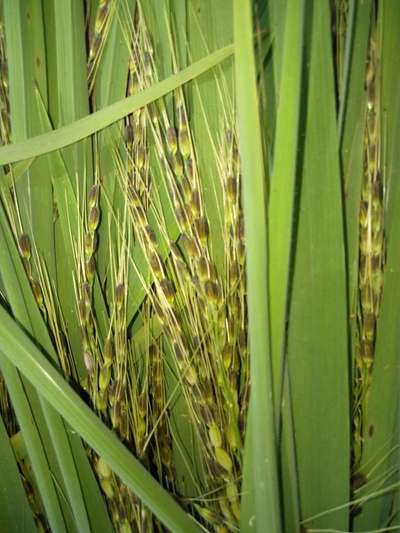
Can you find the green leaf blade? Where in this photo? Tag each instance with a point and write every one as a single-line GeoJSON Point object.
{"type": "Point", "coordinates": [263, 461]}
{"type": "Point", "coordinates": [317, 338]}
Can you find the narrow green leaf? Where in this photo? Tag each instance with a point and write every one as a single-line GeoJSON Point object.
{"type": "Point", "coordinates": [288, 462]}
{"type": "Point", "coordinates": [180, 19]}
{"type": "Point", "coordinates": [347, 59]}
{"type": "Point", "coordinates": [263, 460]}
{"type": "Point", "coordinates": [283, 182]}
{"type": "Point", "coordinates": [72, 90]}
{"type": "Point", "coordinates": [96, 121]}
{"type": "Point", "coordinates": [287, 19]}
{"type": "Point", "coordinates": [277, 12]}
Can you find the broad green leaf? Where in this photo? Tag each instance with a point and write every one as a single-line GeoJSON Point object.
{"type": "Point", "coordinates": [317, 337]}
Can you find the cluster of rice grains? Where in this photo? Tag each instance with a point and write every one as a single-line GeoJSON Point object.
{"type": "Point", "coordinates": [192, 320]}
{"type": "Point", "coordinates": [105, 354]}
{"type": "Point", "coordinates": [97, 37]}
{"type": "Point", "coordinates": [186, 339]}
{"type": "Point", "coordinates": [5, 406]}
{"type": "Point", "coordinates": [371, 255]}
{"type": "Point", "coordinates": [4, 102]}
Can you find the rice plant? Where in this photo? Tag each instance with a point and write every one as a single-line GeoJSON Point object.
{"type": "Point", "coordinates": [198, 265]}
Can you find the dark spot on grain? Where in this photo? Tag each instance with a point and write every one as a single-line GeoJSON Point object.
{"type": "Point", "coordinates": [358, 480]}
{"type": "Point", "coordinates": [355, 511]}
{"type": "Point", "coordinates": [371, 430]}
{"type": "Point", "coordinates": [38, 62]}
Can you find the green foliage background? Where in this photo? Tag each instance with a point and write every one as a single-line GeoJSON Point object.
{"type": "Point", "coordinates": [190, 193]}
